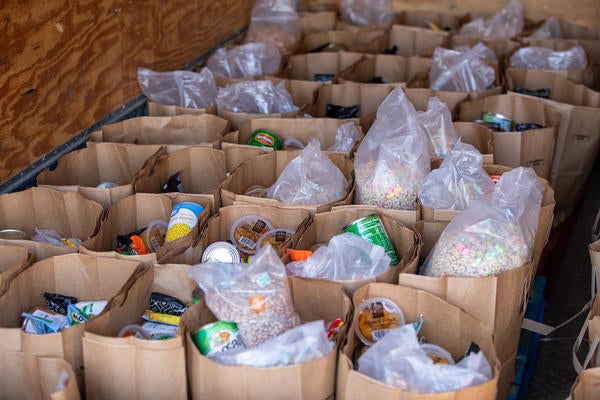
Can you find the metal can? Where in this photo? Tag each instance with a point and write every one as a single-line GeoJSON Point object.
{"type": "Point", "coordinates": [218, 337]}
{"type": "Point", "coordinates": [221, 251]}
{"type": "Point", "coordinates": [12, 234]}
{"type": "Point", "coordinates": [504, 123]}
{"type": "Point", "coordinates": [184, 218]}
{"type": "Point", "coordinates": [265, 138]}
{"type": "Point", "coordinates": [372, 230]}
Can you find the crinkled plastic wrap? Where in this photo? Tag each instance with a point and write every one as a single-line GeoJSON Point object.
{"type": "Point", "coordinates": [367, 12]}
{"type": "Point", "coordinates": [460, 72]}
{"type": "Point", "coordinates": [298, 345]}
{"type": "Point", "coordinates": [505, 24]}
{"type": "Point", "coordinates": [276, 22]}
{"type": "Point", "coordinates": [544, 58]}
{"type": "Point", "coordinates": [494, 233]}
{"type": "Point", "coordinates": [482, 51]}
{"type": "Point", "coordinates": [347, 257]}
{"type": "Point", "coordinates": [247, 60]}
{"type": "Point", "coordinates": [550, 29]}
{"type": "Point", "coordinates": [460, 179]}
{"type": "Point", "coordinates": [393, 158]}
{"type": "Point", "coordinates": [398, 360]}
{"type": "Point", "coordinates": [346, 138]}
{"type": "Point", "coordinates": [437, 122]}
{"type": "Point", "coordinates": [255, 296]}
{"type": "Point", "coordinates": [179, 88]}
{"type": "Point", "coordinates": [255, 97]}
{"type": "Point", "coordinates": [310, 178]}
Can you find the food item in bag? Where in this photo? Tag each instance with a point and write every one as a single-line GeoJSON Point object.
{"type": "Point", "coordinates": [173, 184]}
{"type": "Point", "coordinates": [58, 303]}
{"type": "Point", "coordinates": [498, 122]}
{"type": "Point", "coordinates": [275, 237]}
{"type": "Point", "coordinates": [154, 235]}
{"type": "Point", "coordinates": [84, 310]}
{"type": "Point", "coordinates": [341, 112]}
{"type": "Point", "coordinates": [265, 138]}
{"type": "Point", "coordinates": [376, 317]}
{"type": "Point", "coordinates": [246, 231]}
{"type": "Point", "coordinates": [372, 230]}
{"type": "Point", "coordinates": [165, 304]}
{"type": "Point", "coordinates": [42, 321]}
{"type": "Point", "coordinates": [543, 93]}
{"type": "Point", "coordinates": [437, 354]}
{"type": "Point", "coordinates": [221, 251]}
{"type": "Point", "coordinates": [218, 337]}
{"type": "Point", "coordinates": [184, 218]}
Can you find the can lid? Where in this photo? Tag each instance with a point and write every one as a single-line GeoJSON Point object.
{"type": "Point", "coordinates": [12, 234]}
{"type": "Point", "coordinates": [221, 251]}
{"type": "Point", "coordinates": [376, 316]}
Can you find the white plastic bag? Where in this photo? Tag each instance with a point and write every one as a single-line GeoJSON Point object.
{"type": "Point", "coordinates": [454, 71]}
{"type": "Point", "coordinates": [367, 12]}
{"type": "Point", "coordinates": [460, 179]}
{"type": "Point", "coordinates": [346, 257]}
{"type": "Point", "coordinates": [494, 233]}
{"type": "Point", "coordinates": [393, 158]}
{"type": "Point", "coordinates": [346, 138]}
{"type": "Point", "coordinates": [247, 60]}
{"type": "Point", "coordinates": [276, 22]}
{"type": "Point", "coordinates": [550, 29]}
{"type": "Point", "coordinates": [256, 97]}
{"type": "Point", "coordinates": [255, 296]}
{"type": "Point", "coordinates": [310, 178]}
{"type": "Point", "coordinates": [297, 345]}
{"type": "Point", "coordinates": [179, 88]}
{"type": "Point", "coordinates": [544, 58]}
{"type": "Point", "coordinates": [398, 360]}
{"type": "Point", "coordinates": [437, 122]}
{"type": "Point", "coordinates": [482, 51]}
{"type": "Point", "coordinates": [505, 24]}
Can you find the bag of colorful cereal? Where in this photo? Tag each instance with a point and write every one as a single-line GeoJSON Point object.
{"type": "Point", "coordinates": [393, 158]}
{"type": "Point", "coordinates": [495, 233]}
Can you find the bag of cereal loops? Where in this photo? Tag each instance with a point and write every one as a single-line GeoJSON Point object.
{"type": "Point", "coordinates": [495, 233]}
{"type": "Point", "coordinates": [255, 296]}
{"type": "Point", "coordinates": [393, 158]}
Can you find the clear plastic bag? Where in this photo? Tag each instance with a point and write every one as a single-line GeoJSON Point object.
{"type": "Point", "coordinates": [482, 51]}
{"type": "Point", "coordinates": [460, 179]}
{"type": "Point", "coordinates": [346, 257]}
{"type": "Point", "coordinates": [437, 122]}
{"type": "Point", "coordinates": [367, 12]}
{"type": "Point", "coordinates": [398, 360]}
{"type": "Point", "coordinates": [454, 71]}
{"type": "Point", "coordinates": [276, 22]}
{"type": "Point", "coordinates": [544, 58]}
{"type": "Point", "coordinates": [310, 178]}
{"type": "Point", "coordinates": [393, 158]}
{"type": "Point", "coordinates": [255, 296]}
{"type": "Point", "coordinates": [346, 138]}
{"type": "Point", "coordinates": [179, 88]}
{"type": "Point", "coordinates": [247, 60]}
{"type": "Point", "coordinates": [550, 29]}
{"type": "Point", "coordinates": [505, 24]}
{"type": "Point", "coordinates": [298, 345]}
{"type": "Point", "coordinates": [494, 233]}
{"type": "Point", "coordinates": [256, 97]}
{"type": "Point", "coordinates": [53, 237]}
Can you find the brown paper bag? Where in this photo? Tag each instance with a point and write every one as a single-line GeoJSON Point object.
{"type": "Point", "coordinates": [446, 325]}
{"type": "Point", "coordinates": [132, 368]}
{"type": "Point", "coordinates": [84, 277]}
{"type": "Point", "coordinates": [311, 22]}
{"type": "Point", "coordinates": [28, 377]}
{"type": "Point", "coordinates": [83, 170]}
{"type": "Point", "coordinates": [303, 92]}
{"type": "Point", "coordinates": [13, 259]}
{"type": "Point", "coordinates": [477, 136]}
{"type": "Point", "coordinates": [578, 138]}
{"type": "Point", "coordinates": [406, 217]}
{"type": "Point", "coordinates": [373, 42]}
{"type": "Point", "coordinates": [201, 170]}
{"type": "Point", "coordinates": [422, 18]}
{"type": "Point", "coordinates": [305, 67]}
{"type": "Point", "coordinates": [264, 170]}
{"type": "Point", "coordinates": [530, 148]}
{"type": "Point", "coordinates": [237, 119]}
{"type": "Point", "coordinates": [420, 96]}
{"type": "Point", "coordinates": [311, 380]}
{"type": "Point", "coordinates": [319, 5]}
{"type": "Point", "coordinates": [138, 212]}
{"type": "Point", "coordinates": [302, 129]}
{"type": "Point", "coordinates": [501, 47]}
{"type": "Point", "coordinates": [406, 242]}
{"type": "Point", "coordinates": [587, 386]}
{"type": "Point", "coordinates": [163, 110]}
{"type": "Point", "coordinates": [415, 41]}
{"type": "Point", "coordinates": [388, 68]}
{"type": "Point", "coordinates": [221, 226]}
{"type": "Point", "coordinates": [189, 130]}
{"type": "Point", "coordinates": [70, 214]}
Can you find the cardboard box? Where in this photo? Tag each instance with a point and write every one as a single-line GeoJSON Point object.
{"type": "Point", "coordinates": [84, 277]}
{"type": "Point", "coordinates": [531, 148]}
{"type": "Point", "coordinates": [163, 110]}
{"type": "Point", "coordinates": [133, 368]}
{"type": "Point", "coordinates": [405, 241]}
{"type": "Point", "coordinates": [311, 380]}
{"type": "Point", "coordinates": [201, 170]}
{"type": "Point", "coordinates": [84, 169]}
{"type": "Point", "coordinates": [36, 378]}
{"type": "Point", "coordinates": [138, 212]}
{"type": "Point", "coordinates": [578, 138]}
{"type": "Point", "coordinates": [446, 325]}
{"type": "Point", "coordinates": [373, 42]}
{"type": "Point", "coordinates": [189, 130]}
{"type": "Point", "coordinates": [264, 170]}
{"type": "Point", "coordinates": [70, 214]}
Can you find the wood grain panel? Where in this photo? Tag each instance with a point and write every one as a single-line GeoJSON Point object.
{"type": "Point", "coordinates": [65, 64]}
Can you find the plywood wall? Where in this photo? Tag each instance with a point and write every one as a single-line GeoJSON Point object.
{"type": "Point", "coordinates": [65, 64]}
